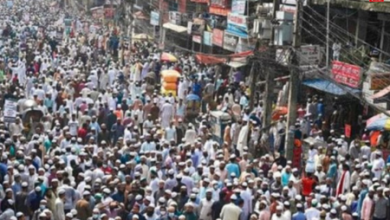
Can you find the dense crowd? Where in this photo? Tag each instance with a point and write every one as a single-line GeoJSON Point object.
{"type": "Point", "coordinates": [110, 144]}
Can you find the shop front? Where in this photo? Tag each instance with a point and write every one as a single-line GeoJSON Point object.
{"type": "Point", "coordinates": [175, 31]}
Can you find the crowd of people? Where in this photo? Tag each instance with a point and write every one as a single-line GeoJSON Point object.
{"type": "Point", "coordinates": [108, 148]}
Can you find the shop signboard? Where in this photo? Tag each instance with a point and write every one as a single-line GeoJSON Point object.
{"type": "Point", "coordinates": [218, 11]}
{"type": "Point", "coordinates": [346, 74]}
{"type": "Point", "coordinates": [219, 3]}
{"type": "Point", "coordinates": [217, 37]}
{"type": "Point", "coordinates": [154, 18]}
{"type": "Point", "coordinates": [237, 25]}
{"type": "Point", "coordinates": [310, 55]}
{"type": "Point", "coordinates": [197, 39]}
{"type": "Point", "coordinates": [238, 6]}
{"type": "Point", "coordinates": [207, 38]}
{"type": "Point", "coordinates": [230, 42]}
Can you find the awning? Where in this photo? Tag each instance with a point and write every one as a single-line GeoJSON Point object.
{"type": "Point", "coordinates": [208, 59]}
{"type": "Point", "coordinates": [237, 59]}
{"type": "Point", "coordinates": [175, 28]}
{"type": "Point", "coordinates": [381, 93]}
{"type": "Point", "coordinates": [236, 64]}
{"type": "Point", "coordinates": [329, 87]}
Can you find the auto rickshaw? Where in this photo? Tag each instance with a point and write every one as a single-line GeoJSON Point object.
{"type": "Point", "coordinates": [150, 79]}
{"type": "Point", "coordinates": [218, 121]}
{"type": "Point", "coordinates": [192, 106]}
{"type": "Point", "coordinates": [31, 116]}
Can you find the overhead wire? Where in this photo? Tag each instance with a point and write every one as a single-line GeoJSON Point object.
{"type": "Point", "coordinates": [362, 64]}
{"type": "Point", "coordinates": [332, 24]}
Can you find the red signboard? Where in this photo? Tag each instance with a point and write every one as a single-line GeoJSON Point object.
{"type": "Point", "coordinates": [218, 11]}
{"type": "Point", "coordinates": [218, 37]}
{"type": "Point", "coordinates": [347, 130]}
{"type": "Point", "coordinates": [200, 1]}
{"type": "Point", "coordinates": [346, 74]}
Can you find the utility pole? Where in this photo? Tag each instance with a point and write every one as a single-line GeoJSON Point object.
{"type": "Point", "coordinates": [160, 23]}
{"type": "Point", "coordinates": [294, 83]}
{"type": "Point", "coordinates": [327, 31]}
{"type": "Point", "coordinates": [130, 34]}
{"type": "Point", "coordinates": [253, 77]}
{"type": "Point", "coordinates": [269, 78]}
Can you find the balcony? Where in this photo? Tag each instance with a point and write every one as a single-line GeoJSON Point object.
{"type": "Point", "coordinates": [364, 5]}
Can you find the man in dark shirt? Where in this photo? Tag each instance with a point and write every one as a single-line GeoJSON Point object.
{"type": "Point", "coordinates": [216, 208]}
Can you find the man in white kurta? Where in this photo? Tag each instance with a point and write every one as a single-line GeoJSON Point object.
{"type": "Point", "coordinates": [378, 165]}
{"type": "Point", "coordinates": [167, 113]}
{"type": "Point", "coordinates": [243, 139]}
{"type": "Point", "coordinates": [205, 206]}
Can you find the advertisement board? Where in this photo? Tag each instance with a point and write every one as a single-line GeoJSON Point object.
{"type": "Point", "coordinates": [207, 38]}
{"type": "Point", "coordinates": [237, 25]}
{"type": "Point", "coordinates": [346, 74]}
{"type": "Point", "coordinates": [217, 37]}
{"type": "Point", "coordinates": [238, 6]}
{"type": "Point", "coordinates": [230, 42]}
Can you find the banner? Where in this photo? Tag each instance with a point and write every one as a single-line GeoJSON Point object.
{"type": "Point", "coordinates": [238, 6]}
{"type": "Point", "coordinates": [218, 37]}
{"type": "Point", "coordinates": [10, 110]}
{"type": "Point", "coordinates": [154, 18]}
{"type": "Point", "coordinates": [207, 36]}
{"type": "Point", "coordinates": [237, 25]}
{"type": "Point", "coordinates": [346, 74]}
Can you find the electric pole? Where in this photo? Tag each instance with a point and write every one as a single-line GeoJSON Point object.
{"type": "Point", "coordinates": [269, 77]}
{"type": "Point", "coordinates": [160, 23]}
{"type": "Point", "coordinates": [130, 31]}
{"type": "Point", "coordinates": [294, 83]}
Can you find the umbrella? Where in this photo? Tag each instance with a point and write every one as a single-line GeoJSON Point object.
{"type": "Point", "coordinates": [193, 97]}
{"type": "Point", "coordinates": [379, 124]}
{"type": "Point", "coordinates": [376, 117]}
{"type": "Point", "coordinates": [279, 111]}
{"type": "Point", "coordinates": [168, 57]}
{"type": "Point", "coordinates": [142, 37]}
